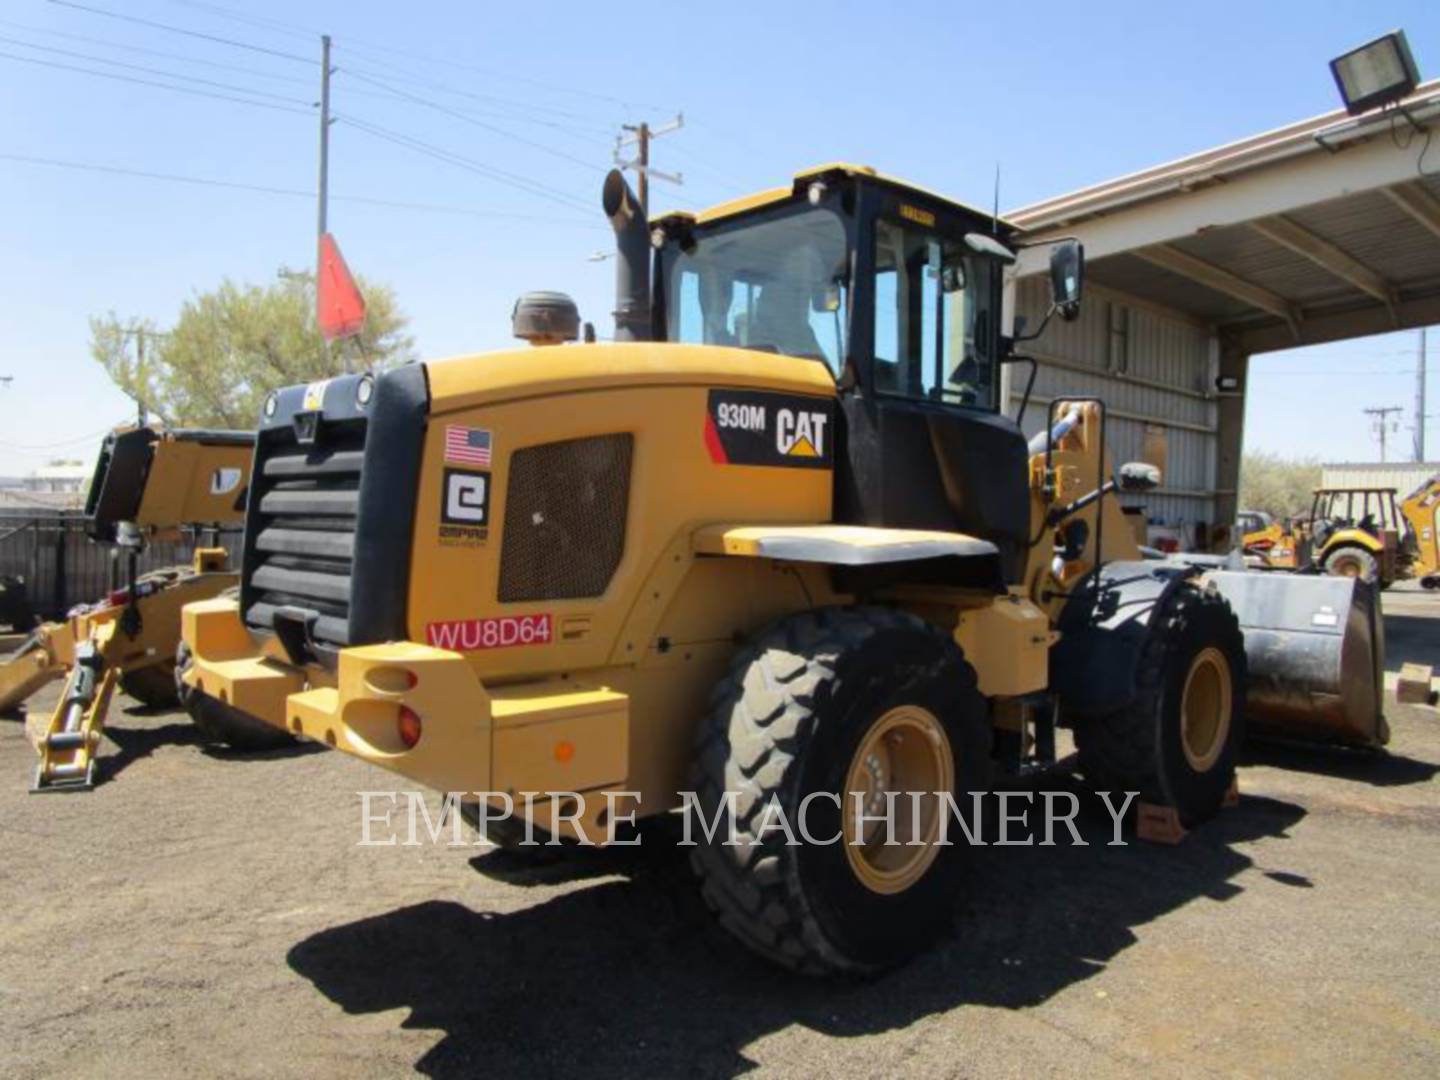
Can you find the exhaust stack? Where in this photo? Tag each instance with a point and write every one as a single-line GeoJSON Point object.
{"type": "Point", "coordinates": [632, 259]}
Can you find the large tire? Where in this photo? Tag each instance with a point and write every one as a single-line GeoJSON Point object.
{"type": "Point", "coordinates": [1351, 560]}
{"type": "Point", "coordinates": [223, 724]}
{"type": "Point", "coordinates": [1177, 741]}
{"type": "Point", "coordinates": [804, 709]}
{"type": "Point", "coordinates": [152, 686]}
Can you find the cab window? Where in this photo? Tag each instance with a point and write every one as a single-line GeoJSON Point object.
{"type": "Point", "coordinates": [777, 286]}
{"type": "Point", "coordinates": [933, 323]}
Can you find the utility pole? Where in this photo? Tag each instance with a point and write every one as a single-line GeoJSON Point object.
{"type": "Point", "coordinates": [325, 73]}
{"type": "Point", "coordinates": [640, 136]}
{"type": "Point", "coordinates": [140, 374]}
{"type": "Point", "coordinates": [1420, 401]}
{"type": "Point", "coordinates": [322, 214]}
{"type": "Point", "coordinates": [138, 333]}
{"type": "Point", "coordinates": [1380, 424]}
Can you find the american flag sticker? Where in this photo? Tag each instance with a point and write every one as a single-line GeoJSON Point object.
{"type": "Point", "coordinates": [467, 445]}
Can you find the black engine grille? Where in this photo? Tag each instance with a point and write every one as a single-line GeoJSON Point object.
{"type": "Point", "coordinates": [301, 544]}
{"type": "Point", "coordinates": [565, 514]}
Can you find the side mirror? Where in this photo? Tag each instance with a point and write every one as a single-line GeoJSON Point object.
{"type": "Point", "coordinates": [1067, 277]}
{"type": "Point", "coordinates": [1139, 476]}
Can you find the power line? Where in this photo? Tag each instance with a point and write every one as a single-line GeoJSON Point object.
{"type": "Point", "coordinates": [478, 123]}
{"type": "Point", "coordinates": [57, 445]}
{"type": "Point", "coordinates": [151, 82]}
{"type": "Point", "coordinates": [183, 58]}
{"type": "Point", "coordinates": [405, 76]}
{"type": "Point", "coordinates": [181, 30]}
{"type": "Point", "coordinates": [263, 189]}
{"type": "Point", "coordinates": [261, 22]}
{"type": "Point", "coordinates": [592, 132]}
{"type": "Point", "coordinates": [370, 46]}
{"type": "Point", "coordinates": [524, 183]}
{"type": "Point", "coordinates": [149, 70]}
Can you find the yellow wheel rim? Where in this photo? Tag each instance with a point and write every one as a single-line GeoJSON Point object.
{"type": "Point", "coordinates": [1205, 709]}
{"type": "Point", "coordinates": [905, 750]}
{"type": "Point", "coordinates": [1348, 567]}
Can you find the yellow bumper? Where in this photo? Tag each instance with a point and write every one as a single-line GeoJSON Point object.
{"type": "Point", "coordinates": [535, 737]}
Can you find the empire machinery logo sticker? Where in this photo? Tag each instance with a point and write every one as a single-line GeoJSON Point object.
{"type": "Point", "coordinates": [465, 509]}
{"type": "Point", "coordinates": [750, 427]}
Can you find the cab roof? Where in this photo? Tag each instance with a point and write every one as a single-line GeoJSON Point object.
{"type": "Point", "coordinates": [770, 196]}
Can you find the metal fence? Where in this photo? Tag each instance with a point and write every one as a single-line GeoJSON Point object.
{"type": "Point", "coordinates": [61, 566]}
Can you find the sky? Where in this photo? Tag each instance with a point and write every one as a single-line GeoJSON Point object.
{"type": "Point", "coordinates": [523, 102]}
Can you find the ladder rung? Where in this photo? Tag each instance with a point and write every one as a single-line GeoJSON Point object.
{"type": "Point", "coordinates": [66, 740]}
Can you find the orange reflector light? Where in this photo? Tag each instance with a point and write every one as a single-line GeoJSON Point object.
{"type": "Point", "coordinates": [564, 751]}
{"type": "Point", "coordinates": [409, 725]}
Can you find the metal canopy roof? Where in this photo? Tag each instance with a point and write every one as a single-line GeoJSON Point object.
{"type": "Point", "coordinates": [1321, 230]}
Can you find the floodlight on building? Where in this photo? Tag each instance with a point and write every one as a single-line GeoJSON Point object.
{"type": "Point", "coordinates": [1378, 73]}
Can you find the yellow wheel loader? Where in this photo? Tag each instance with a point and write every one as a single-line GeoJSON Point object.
{"type": "Point", "coordinates": [147, 484]}
{"type": "Point", "coordinates": [1268, 542]}
{"type": "Point", "coordinates": [774, 553]}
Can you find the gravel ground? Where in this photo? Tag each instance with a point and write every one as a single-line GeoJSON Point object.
{"type": "Point", "coordinates": [203, 913]}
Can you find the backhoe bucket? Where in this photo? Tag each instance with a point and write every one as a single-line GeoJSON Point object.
{"type": "Point", "coordinates": [1315, 646]}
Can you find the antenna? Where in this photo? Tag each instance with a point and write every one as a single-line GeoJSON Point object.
{"type": "Point", "coordinates": [995, 206]}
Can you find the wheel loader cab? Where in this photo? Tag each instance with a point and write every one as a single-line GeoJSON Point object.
{"type": "Point", "coordinates": [898, 294]}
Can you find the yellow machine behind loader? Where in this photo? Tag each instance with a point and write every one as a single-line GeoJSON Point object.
{"type": "Point", "coordinates": [776, 547]}
{"type": "Point", "coordinates": [147, 484]}
{"type": "Point", "coordinates": [1355, 532]}
{"type": "Point", "coordinates": [1421, 545]}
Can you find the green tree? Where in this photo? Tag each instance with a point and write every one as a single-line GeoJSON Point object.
{"type": "Point", "coordinates": [1281, 486]}
{"type": "Point", "coordinates": [231, 347]}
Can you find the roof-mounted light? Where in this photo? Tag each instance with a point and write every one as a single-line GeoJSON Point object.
{"type": "Point", "coordinates": [1378, 73]}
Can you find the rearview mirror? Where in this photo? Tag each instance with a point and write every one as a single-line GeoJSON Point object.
{"type": "Point", "coordinates": [1139, 476]}
{"type": "Point", "coordinates": [1067, 277]}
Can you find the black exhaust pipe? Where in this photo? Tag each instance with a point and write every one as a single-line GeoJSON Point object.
{"type": "Point", "coordinates": [632, 259]}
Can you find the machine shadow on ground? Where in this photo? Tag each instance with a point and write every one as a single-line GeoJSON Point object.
{"type": "Point", "coordinates": [1411, 639]}
{"type": "Point", "coordinates": [625, 972]}
{"type": "Point", "coordinates": [1378, 768]}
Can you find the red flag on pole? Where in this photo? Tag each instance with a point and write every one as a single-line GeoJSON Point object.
{"type": "Point", "coordinates": [340, 309]}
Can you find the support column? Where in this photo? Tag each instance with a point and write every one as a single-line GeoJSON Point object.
{"type": "Point", "coordinates": [1229, 445]}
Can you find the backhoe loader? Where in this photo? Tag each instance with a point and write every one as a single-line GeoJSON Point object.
{"type": "Point", "coordinates": [1355, 532]}
{"type": "Point", "coordinates": [776, 548]}
{"type": "Point", "coordinates": [1421, 544]}
{"type": "Point", "coordinates": [147, 485]}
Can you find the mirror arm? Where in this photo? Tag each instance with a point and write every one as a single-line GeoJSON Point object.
{"type": "Point", "coordinates": [1021, 339]}
{"type": "Point", "coordinates": [1021, 245]}
{"type": "Point", "coordinates": [1019, 358]}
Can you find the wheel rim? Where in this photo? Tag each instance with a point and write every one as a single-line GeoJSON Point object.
{"type": "Point", "coordinates": [905, 750]}
{"type": "Point", "coordinates": [1205, 709]}
{"type": "Point", "coordinates": [1347, 567]}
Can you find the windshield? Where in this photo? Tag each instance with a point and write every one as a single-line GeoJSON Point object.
{"type": "Point", "coordinates": [778, 286]}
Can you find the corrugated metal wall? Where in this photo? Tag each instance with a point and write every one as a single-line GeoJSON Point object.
{"type": "Point", "coordinates": [1156, 374]}
{"type": "Point", "coordinates": [1402, 477]}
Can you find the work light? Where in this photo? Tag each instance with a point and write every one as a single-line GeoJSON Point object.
{"type": "Point", "coordinates": [1378, 73]}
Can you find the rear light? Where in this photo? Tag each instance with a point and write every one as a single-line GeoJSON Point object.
{"type": "Point", "coordinates": [409, 726]}
{"type": "Point", "coordinates": [118, 598]}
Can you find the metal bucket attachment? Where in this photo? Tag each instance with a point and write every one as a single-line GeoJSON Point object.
{"type": "Point", "coordinates": [1316, 651]}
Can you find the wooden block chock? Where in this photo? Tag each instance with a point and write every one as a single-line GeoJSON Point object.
{"type": "Point", "coordinates": [1158, 824]}
{"type": "Point", "coordinates": [1413, 687]}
